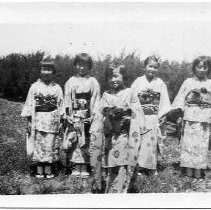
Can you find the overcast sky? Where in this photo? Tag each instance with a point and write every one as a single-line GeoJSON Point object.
{"type": "Point", "coordinates": [175, 31]}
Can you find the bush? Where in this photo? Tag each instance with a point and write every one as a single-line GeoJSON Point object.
{"type": "Point", "coordinates": [19, 71]}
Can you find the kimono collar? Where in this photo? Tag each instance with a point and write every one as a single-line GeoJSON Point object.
{"type": "Point", "coordinates": [52, 83]}
{"type": "Point", "coordinates": [85, 77]}
{"type": "Point", "coordinates": [114, 92]}
{"type": "Point", "coordinates": [154, 79]}
{"type": "Point", "coordinates": [200, 80]}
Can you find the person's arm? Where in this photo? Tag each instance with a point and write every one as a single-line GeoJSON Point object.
{"type": "Point", "coordinates": [95, 98]}
{"type": "Point", "coordinates": [67, 104]}
{"type": "Point", "coordinates": [28, 106]}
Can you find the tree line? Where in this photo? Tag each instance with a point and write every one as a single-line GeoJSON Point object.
{"type": "Point", "coordinates": [19, 71]}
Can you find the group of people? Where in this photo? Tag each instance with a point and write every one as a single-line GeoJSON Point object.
{"type": "Point", "coordinates": [116, 135]}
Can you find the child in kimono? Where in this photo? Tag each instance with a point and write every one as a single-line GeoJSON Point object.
{"type": "Point", "coordinates": [123, 122]}
{"type": "Point", "coordinates": [43, 110]}
{"type": "Point", "coordinates": [153, 95]}
{"type": "Point", "coordinates": [82, 92]}
{"type": "Point", "coordinates": [194, 99]}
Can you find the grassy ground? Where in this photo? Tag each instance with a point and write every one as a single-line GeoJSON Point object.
{"type": "Point", "coordinates": [14, 165]}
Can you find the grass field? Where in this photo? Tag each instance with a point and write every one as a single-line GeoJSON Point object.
{"type": "Point", "coordinates": [14, 165]}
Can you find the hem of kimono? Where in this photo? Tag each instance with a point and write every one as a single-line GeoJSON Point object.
{"type": "Point", "coordinates": [147, 167]}
{"type": "Point", "coordinates": [52, 132]}
{"type": "Point", "coordinates": [86, 163]}
{"type": "Point", "coordinates": [44, 161]}
{"type": "Point", "coordinates": [119, 165]}
{"type": "Point", "coordinates": [193, 166]}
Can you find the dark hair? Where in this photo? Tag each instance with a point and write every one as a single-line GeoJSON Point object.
{"type": "Point", "coordinates": [206, 61]}
{"type": "Point", "coordinates": [110, 68]}
{"type": "Point", "coordinates": [83, 58]}
{"type": "Point", "coordinates": [49, 64]}
{"type": "Point", "coordinates": [149, 58]}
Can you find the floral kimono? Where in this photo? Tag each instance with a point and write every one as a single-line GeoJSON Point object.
{"type": "Point", "coordinates": [44, 107]}
{"type": "Point", "coordinates": [123, 123]}
{"type": "Point", "coordinates": [155, 102]}
{"type": "Point", "coordinates": [81, 97]}
{"type": "Point", "coordinates": [194, 98]}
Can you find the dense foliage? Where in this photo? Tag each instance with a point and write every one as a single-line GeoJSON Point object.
{"type": "Point", "coordinates": [19, 71]}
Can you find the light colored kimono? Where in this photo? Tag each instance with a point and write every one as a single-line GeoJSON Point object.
{"type": "Point", "coordinates": [155, 102]}
{"type": "Point", "coordinates": [44, 105]}
{"type": "Point", "coordinates": [121, 144]}
{"type": "Point", "coordinates": [82, 95]}
{"type": "Point", "coordinates": [194, 98]}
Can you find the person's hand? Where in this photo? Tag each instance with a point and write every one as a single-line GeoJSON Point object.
{"type": "Point", "coordinates": [162, 120]}
{"type": "Point", "coordinates": [69, 119]}
{"type": "Point", "coordinates": [179, 120]}
{"type": "Point", "coordinates": [89, 120]}
{"type": "Point", "coordinates": [29, 127]}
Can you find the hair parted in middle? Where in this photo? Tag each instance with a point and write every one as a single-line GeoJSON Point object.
{"type": "Point", "coordinates": [48, 64]}
{"type": "Point", "coordinates": [83, 58]}
{"type": "Point", "coordinates": [116, 65]}
{"type": "Point", "coordinates": [151, 58]}
{"type": "Point", "coordinates": [206, 62]}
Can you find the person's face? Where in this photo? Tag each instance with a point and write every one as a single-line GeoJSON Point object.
{"type": "Point", "coordinates": [201, 70]}
{"type": "Point", "coordinates": [116, 79]}
{"type": "Point", "coordinates": [151, 69]}
{"type": "Point", "coordinates": [82, 69]}
{"type": "Point", "coordinates": [46, 74]}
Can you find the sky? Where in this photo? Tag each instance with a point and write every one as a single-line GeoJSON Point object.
{"type": "Point", "coordinates": [174, 31]}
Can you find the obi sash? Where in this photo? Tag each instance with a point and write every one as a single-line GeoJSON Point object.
{"type": "Point", "coordinates": [81, 101]}
{"type": "Point", "coordinates": [116, 121]}
{"type": "Point", "coordinates": [198, 106]}
{"type": "Point", "coordinates": [150, 101]}
{"type": "Point", "coordinates": [198, 97]}
{"type": "Point", "coordinates": [45, 103]}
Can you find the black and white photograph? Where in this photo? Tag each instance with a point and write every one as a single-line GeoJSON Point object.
{"type": "Point", "coordinates": [105, 98]}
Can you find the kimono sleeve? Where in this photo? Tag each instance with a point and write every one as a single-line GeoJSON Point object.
{"type": "Point", "coordinates": [165, 105]}
{"type": "Point", "coordinates": [95, 99]}
{"type": "Point", "coordinates": [179, 101]}
{"type": "Point", "coordinates": [67, 98]}
{"type": "Point", "coordinates": [60, 101]}
{"type": "Point", "coordinates": [138, 117]}
{"type": "Point", "coordinates": [29, 104]}
{"type": "Point", "coordinates": [134, 85]}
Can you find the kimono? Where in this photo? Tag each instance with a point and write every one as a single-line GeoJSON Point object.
{"type": "Point", "coordinates": [155, 102]}
{"type": "Point", "coordinates": [81, 97]}
{"type": "Point", "coordinates": [123, 122]}
{"type": "Point", "coordinates": [194, 98]}
{"type": "Point", "coordinates": [44, 106]}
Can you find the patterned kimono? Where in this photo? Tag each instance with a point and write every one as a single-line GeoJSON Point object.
{"type": "Point", "coordinates": [194, 98]}
{"type": "Point", "coordinates": [123, 123]}
{"type": "Point", "coordinates": [81, 97]}
{"type": "Point", "coordinates": [155, 102]}
{"type": "Point", "coordinates": [44, 106]}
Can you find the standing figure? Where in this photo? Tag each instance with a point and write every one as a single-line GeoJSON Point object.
{"type": "Point", "coordinates": [123, 120]}
{"type": "Point", "coordinates": [43, 110]}
{"type": "Point", "coordinates": [194, 99]}
{"type": "Point", "coordinates": [153, 95]}
{"type": "Point", "coordinates": [82, 93]}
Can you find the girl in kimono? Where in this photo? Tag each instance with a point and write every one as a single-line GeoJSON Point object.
{"type": "Point", "coordinates": [153, 95]}
{"type": "Point", "coordinates": [194, 99]}
{"type": "Point", "coordinates": [82, 93]}
{"type": "Point", "coordinates": [123, 120]}
{"type": "Point", "coordinates": [43, 110]}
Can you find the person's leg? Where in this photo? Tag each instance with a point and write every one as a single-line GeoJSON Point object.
{"type": "Point", "coordinates": [197, 173]}
{"type": "Point", "coordinates": [48, 170]}
{"type": "Point", "coordinates": [40, 171]}
{"type": "Point", "coordinates": [189, 172]}
{"type": "Point", "coordinates": [84, 171]}
{"type": "Point", "coordinates": [77, 170]}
